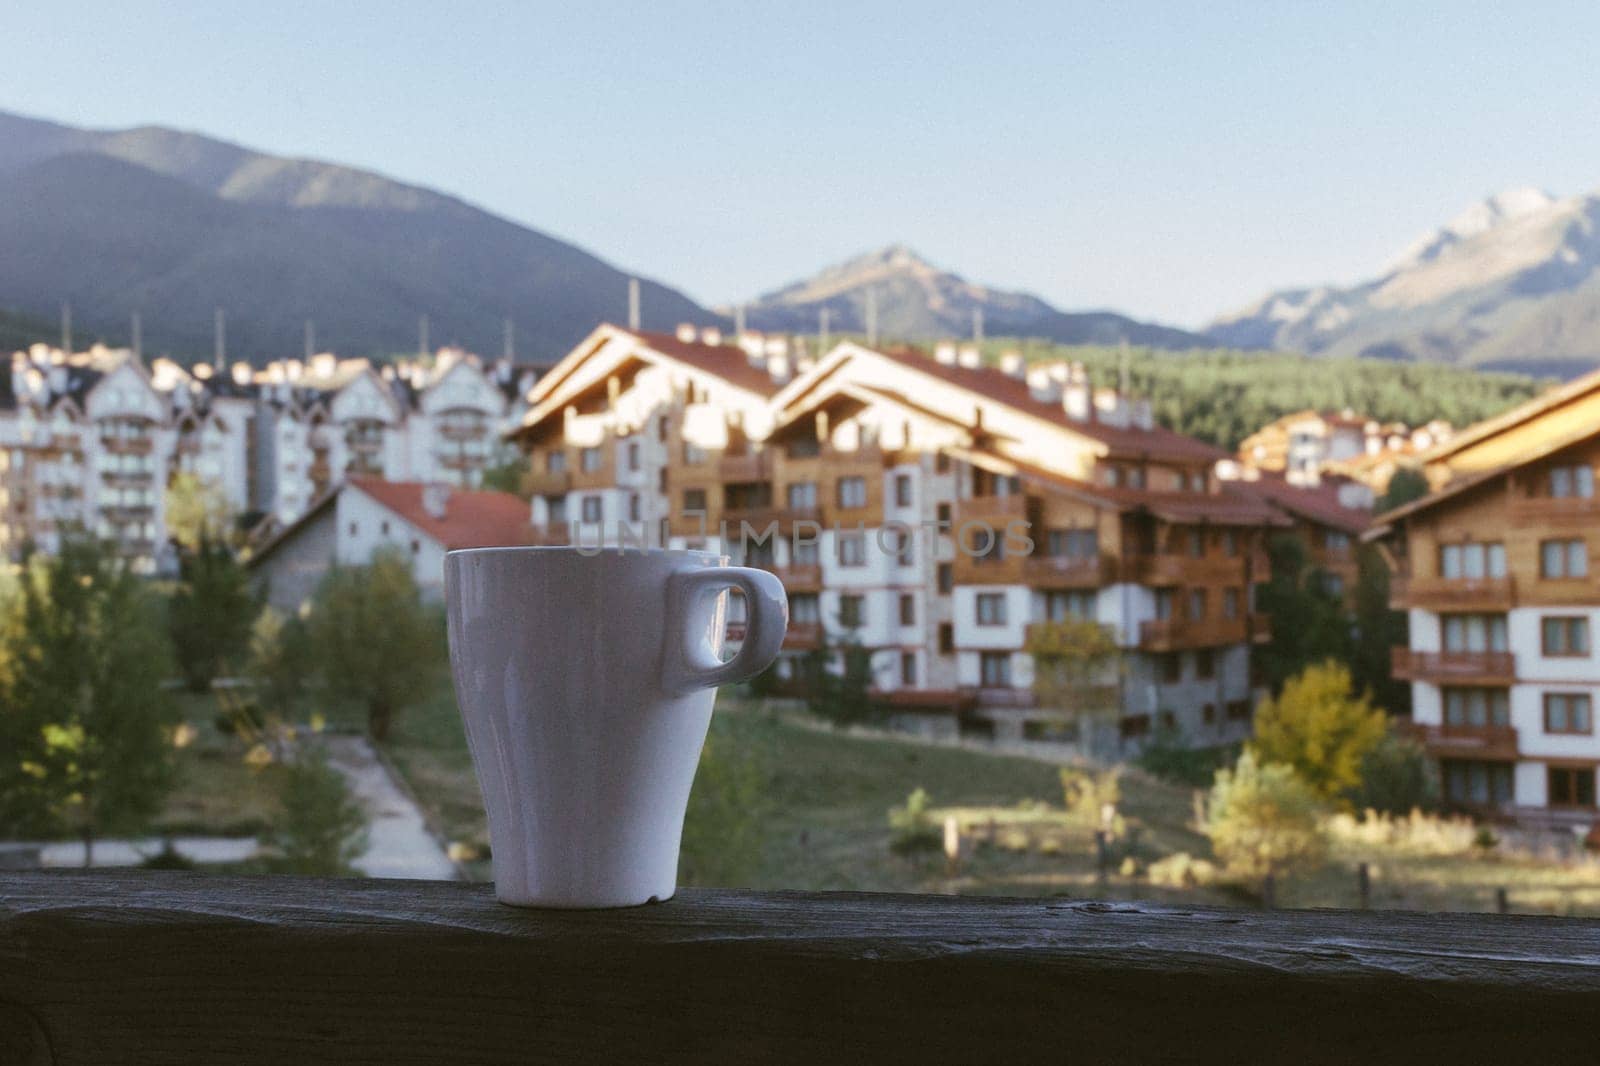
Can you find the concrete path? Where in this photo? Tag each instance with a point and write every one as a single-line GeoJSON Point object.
{"type": "Point", "coordinates": [134, 852]}
{"type": "Point", "coordinates": [399, 843]}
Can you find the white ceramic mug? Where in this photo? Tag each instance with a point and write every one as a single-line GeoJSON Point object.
{"type": "Point", "coordinates": [586, 679]}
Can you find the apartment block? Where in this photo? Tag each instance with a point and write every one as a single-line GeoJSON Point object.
{"type": "Point", "coordinates": [1496, 571]}
{"type": "Point", "coordinates": [928, 509]}
{"type": "Point", "coordinates": [90, 441]}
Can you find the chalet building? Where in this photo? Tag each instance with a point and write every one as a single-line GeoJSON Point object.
{"type": "Point", "coordinates": [905, 491]}
{"type": "Point", "coordinates": [1305, 446]}
{"type": "Point", "coordinates": [1328, 518]}
{"type": "Point", "coordinates": [367, 515]}
{"type": "Point", "coordinates": [89, 441]}
{"type": "Point", "coordinates": [1496, 571]}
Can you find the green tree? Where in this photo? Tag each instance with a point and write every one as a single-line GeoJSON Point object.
{"type": "Point", "coordinates": [1311, 623]}
{"type": "Point", "coordinates": [281, 663]}
{"type": "Point", "coordinates": [1396, 778]}
{"type": "Point", "coordinates": [1379, 629]}
{"type": "Point", "coordinates": [210, 613]}
{"type": "Point", "coordinates": [373, 640]}
{"type": "Point", "coordinates": [510, 476]}
{"type": "Point", "coordinates": [838, 680]}
{"type": "Point", "coordinates": [1075, 668]}
{"type": "Point", "coordinates": [1407, 484]}
{"type": "Point", "coordinates": [1263, 820]}
{"type": "Point", "coordinates": [1319, 728]}
{"type": "Point", "coordinates": [321, 828]}
{"type": "Point", "coordinates": [196, 509]}
{"type": "Point", "coordinates": [86, 729]}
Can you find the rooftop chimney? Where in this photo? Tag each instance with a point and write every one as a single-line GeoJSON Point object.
{"type": "Point", "coordinates": [1042, 384]}
{"type": "Point", "coordinates": [1075, 400]}
{"type": "Point", "coordinates": [435, 500]}
{"type": "Point", "coordinates": [1011, 363]}
{"type": "Point", "coordinates": [944, 353]}
{"type": "Point", "coordinates": [685, 332]}
{"type": "Point", "coordinates": [242, 374]}
{"type": "Point", "coordinates": [969, 356]}
{"type": "Point", "coordinates": [711, 335]}
{"type": "Point", "coordinates": [778, 366]}
{"type": "Point", "coordinates": [324, 364]}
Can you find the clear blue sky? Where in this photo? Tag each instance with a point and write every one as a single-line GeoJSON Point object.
{"type": "Point", "coordinates": [1172, 161]}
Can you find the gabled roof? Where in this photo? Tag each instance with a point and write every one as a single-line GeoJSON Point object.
{"type": "Point", "coordinates": [1319, 505]}
{"type": "Point", "coordinates": [473, 518]}
{"type": "Point", "coordinates": [727, 361]}
{"type": "Point", "coordinates": [1522, 413]}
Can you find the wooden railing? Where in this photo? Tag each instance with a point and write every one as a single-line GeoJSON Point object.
{"type": "Point", "coordinates": [1069, 571]}
{"type": "Point", "coordinates": [1458, 594]}
{"type": "Point", "coordinates": [179, 968]}
{"type": "Point", "coordinates": [750, 466]}
{"type": "Point", "coordinates": [1465, 741]}
{"type": "Point", "coordinates": [547, 482]}
{"type": "Point", "coordinates": [1166, 634]}
{"type": "Point", "coordinates": [803, 635]}
{"type": "Point", "coordinates": [1462, 667]}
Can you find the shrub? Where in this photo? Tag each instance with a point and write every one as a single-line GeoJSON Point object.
{"type": "Point", "coordinates": [913, 828]}
{"type": "Point", "coordinates": [1167, 757]}
{"type": "Point", "coordinates": [1396, 778]}
{"type": "Point", "coordinates": [1263, 819]}
{"type": "Point", "coordinates": [1182, 870]}
{"type": "Point", "coordinates": [1089, 794]}
{"type": "Point", "coordinates": [322, 828]}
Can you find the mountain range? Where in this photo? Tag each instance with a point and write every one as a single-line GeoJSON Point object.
{"type": "Point", "coordinates": [915, 300]}
{"type": "Point", "coordinates": [1513, 282]}
{"type": "Point", "coordinates": [174, 225]}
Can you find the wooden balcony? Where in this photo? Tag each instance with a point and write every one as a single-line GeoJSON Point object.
{"type": "Point", "coordinates": [751, 466]}
{"type": "Point", "coordinates": [1454, 667]}
{"type": "Point", "coordinates": [803, 636]}
{"type": "Point", "coordinates": [548, 483]}
{"type": "Point", "coordinates": [1541, 509]}
{"type": "Point", "coordinates": [1162, 569]}
{"type": "Point", "coordinates": [164, 967]}
{"type": "Point", "coordinates": [603, 476]}
{"type": "Point", "coordinates": [1172, 634]}
{"type": "Point", "coordinates": [1496, 742]}
{"type": "Point", "coordinates": [762, 516]}
{"type": "Point", "coordinates": [127, 445]}
{"type": "Point", "coordinates": [1069, 572]}
{"type": "Point", "coordinates": [1452, 594]}
{"type": "Point", "coordinates": [799, 578]}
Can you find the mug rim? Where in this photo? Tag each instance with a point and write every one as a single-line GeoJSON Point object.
{"type": "Point", "coordinates": [590, 552]}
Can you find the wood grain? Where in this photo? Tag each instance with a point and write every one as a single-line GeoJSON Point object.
{"type": "Point", "coordinates": [172, 968]}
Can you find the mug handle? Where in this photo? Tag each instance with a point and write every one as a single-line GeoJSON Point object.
{"type": "Point", "coordinates": [691, 660]}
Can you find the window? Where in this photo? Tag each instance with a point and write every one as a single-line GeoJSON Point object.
{"type": "Point", "coordinates": [1476, 708]}
{"type": "Point", "coordinates": [1571, 786]}
{"type": "Point", "coordinates": [1167, 721]}
{"type": "Point", "coordinates": [805, 553]}
{"type": "Point", "coordinates": [991, 608]}
{"type": "Point", "coordinates": [1563, 558]}
{"type": "Point", "coordinates": [852, 549]}
{"type": "Point", "coordinates": [1333, 585]}
{"type": "Point", "coordinates": [1197, 604]}
{"type": "Point", "coordinates": [1197, 544]}
{"type": "Point", "coordinates": [908, 609]}
{"type": "Point", "coordinates": [590, 460]}
{"type": "Point", "coordinates": [947, 578]}
{"type": "Point", "coordinates": [1336, 542]}
{"type": "Point", "coordinates": [802, 496]}
{"type": "Point", "coordinates": [556, 462]}
{"type": "Point", "coordinates": [902, 490]}
{"type": "Point", "coordinates": [803, 448]}
{"type": "Point", "coordinates": [1171, 667]}
{"type": "Point", "coordinates": [1238, 710]}
{"type": "Point", "coordinates": [908, 550]}
{"type": "Point", "coordinates": [694, 500]}
{"type": "Point", "coordinates": [803, 608]}
{"type": "Point", "coordinates": [661, 481]}
{"type": "Point", "coordinates": [633, 507]}
{"type": "Point", "coordinates": [1481, 784]}
{"type": "Point", "coordinates": [941, 463]}
{"type": "Point", "coordinates": [383, 527]}
{"type": "Point", "coordinates": [994, 669]}
{"type": "Point", "coordinates": [1230, 603]}
{"type": "Point", "coordinates": [1576, 482]}
{"type": "Point", "coordinates": [852, 492]}
{"type": "Point", "coordinates": [1208, 714]}
{"type": "Point", "coordinates": [1075, 605]}
{"type": "Point", "coordinates": [1230, 543]}
{"type": "Point", "coordinates": [1474, 632]}
{"type": "Point", "coordinates": [1205, 664]}
{"type": "Point", "coordinates": [1073, 543]}
{"type": "Point", "coordinates": [1567, 712]}
{"type": "Point", "coordinates": [947, 638]}
{"type": "Point", "coordinates": [851, 611]}
{"type": "Point", "coordinates": [416, 547]}
{"type": "Point", "coordinates": [908, 669]}
{"type": "Point", "coordinates": [1472, 561]}
{"type": "Point", "coordinates": [693, 454]}
{"type": "Point", "coordinates": [633, 455]}
{"type": "Point", "coordinates": [354, 529]}
{"type": "Point", "coordinates": [663, 428]}
{"type": "Point", "coordinates": [591, 509]}
{"type": "Point", "coordinates": [1135, 725]}
{"type": "Point", "coordinates": [942, 516]}
{"type": "Point", "coordinates": [1565, 637]}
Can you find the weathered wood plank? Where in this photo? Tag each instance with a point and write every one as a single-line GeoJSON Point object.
{"type": "Point", "coordinates": [167, 967]}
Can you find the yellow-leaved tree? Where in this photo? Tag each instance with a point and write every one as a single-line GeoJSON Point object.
{"type": "Point", "coordinates": [1320, 728]}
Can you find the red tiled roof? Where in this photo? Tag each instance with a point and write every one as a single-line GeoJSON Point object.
{"type": "Point", "coordinates": [727, 361]}
{"type": "Point", "coordinates": [473, 518]}
{"type": "Point", "coordinates": [1222, 509]}
{"type": "Point", "coordinates": [1320, 504]}
{"type": "Point", "coordinates": [1156, 443]}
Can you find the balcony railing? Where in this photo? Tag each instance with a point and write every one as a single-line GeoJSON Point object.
{"type": "Point", "coordinates": [1458, 594]}
{"type": "Point", "coordinates": [548, 482]}
{"type": "Point", "coordinates": [1461, 667]}
{"type": "Point", "coordinates": [127, 445]}
{"type": "Point", "coordinates": [1069, 571]}
{"type": "Point", "coordinates": [799, 577]}
{"type": "Point", "coordinates": [760, 516]}
{"type": "Point", "coordinates": [751, 466]}
{"type": "Point", "coordinates": [1173, 568]}
{"type": "Point", "coordinates": [1169, 634]}
{"type": "Point", "coordinates": [1497, 742]}
{"type": "Point", "coordinates": [1540, 508]}
{"type": "Point", "coordinates": [803, 635]}
{"type": "Point", "coordinates": [167, 967]}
